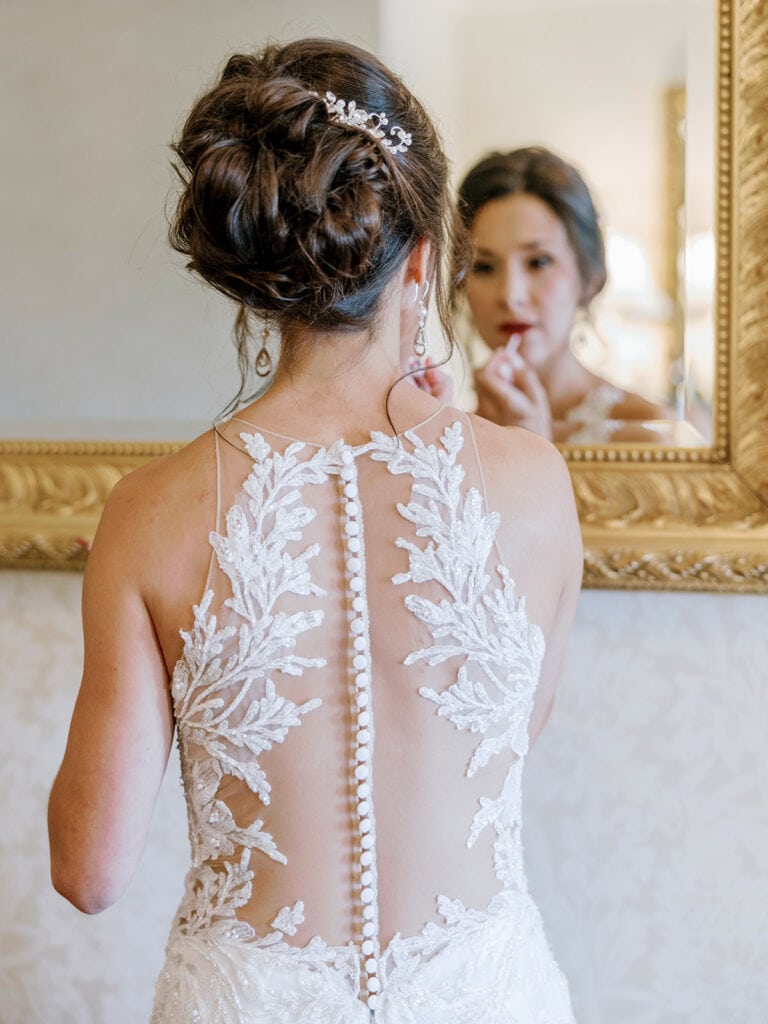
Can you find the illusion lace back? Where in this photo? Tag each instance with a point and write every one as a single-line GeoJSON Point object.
{"type": "Point", "coordinates": [352, 707]}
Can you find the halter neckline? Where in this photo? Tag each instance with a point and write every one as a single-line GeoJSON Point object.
{"type": "Point", "coordinates": [316, 444]}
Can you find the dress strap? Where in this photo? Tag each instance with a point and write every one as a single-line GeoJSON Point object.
{"type": "Point", "coordinates": [217, 523]}
{"type": "Point", "coordinates": [483, 487]}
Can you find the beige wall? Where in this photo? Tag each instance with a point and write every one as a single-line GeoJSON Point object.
{"type": "Point", "coordinates": [101, 318]}
{"type": "Point", "coordinates": [647, 819]}
{"type": "Point", "coordinates": [647, 829]}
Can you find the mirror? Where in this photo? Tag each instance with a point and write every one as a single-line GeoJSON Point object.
{"type": "Point", "coordinates": [632, 142]}
{"type": "Point", "coordinates": [625, 93]}
{"type": "Point", "coordinates": [84, 321]}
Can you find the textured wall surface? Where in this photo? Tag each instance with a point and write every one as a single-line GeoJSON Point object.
{"type": "Point", "coordinates": [647, 819]}
{"type": "Point", "coordinates": [58, 966]}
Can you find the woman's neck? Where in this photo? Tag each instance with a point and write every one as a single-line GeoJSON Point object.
{"type": "Point", "coordinates": [338, 385]}
{"type": "Point", "coordinates": [566, 382]}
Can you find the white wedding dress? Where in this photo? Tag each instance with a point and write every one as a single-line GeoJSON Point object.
{"type": "Point", "coordinates": [352, 706]}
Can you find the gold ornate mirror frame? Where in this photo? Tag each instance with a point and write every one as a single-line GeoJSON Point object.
{"type": "Point", "coordinates": [652, 517]}
{"type": "Point", "coordinates": [697, 519]}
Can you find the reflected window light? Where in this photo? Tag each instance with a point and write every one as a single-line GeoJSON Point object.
{"type": "Point", "coordinates": [700, 267]}
{"type": "Point", "coordinates": [631, 321]}
{"type": "Point", "coordinates": [632, 289]}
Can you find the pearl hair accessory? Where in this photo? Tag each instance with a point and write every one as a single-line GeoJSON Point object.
{"type": "Point", "coordinates": [350, 114]}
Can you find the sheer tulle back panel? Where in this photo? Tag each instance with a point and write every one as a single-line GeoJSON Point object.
{"type": "Point", "coordinates": [286, 553]}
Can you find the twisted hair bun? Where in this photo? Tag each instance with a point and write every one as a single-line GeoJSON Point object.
{"type": "Point", "coordinates": [291, 213]}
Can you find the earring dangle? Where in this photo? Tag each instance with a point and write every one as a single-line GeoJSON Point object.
{"type": "Point", "coordinates": [581, 332]}
{"type": "Point", "coordinates": [264, 359]}
{"type": "Point", "coordinates": [420, 344]}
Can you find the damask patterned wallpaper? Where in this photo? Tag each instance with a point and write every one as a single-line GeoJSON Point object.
{"type": "Point", "coordinates": [647, 819]}
{"type": "Point", "coordinates": [647, 811]}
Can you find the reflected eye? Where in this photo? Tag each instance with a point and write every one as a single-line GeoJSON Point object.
{"type": "Point", "coordinates": [482, 267]}
{"type": "Point", "coordinates": [540, 261]}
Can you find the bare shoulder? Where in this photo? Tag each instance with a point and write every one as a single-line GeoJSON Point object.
{"type": "Point", "coordinates": [521, 463]}
{"type": "Point", "coordinates": [632, 406]}
{"type": "Point", "coordinates": [527, 483]}
{"type": "Point", "coordinates": [167, 484]}
{"type": "Point", "coordinates": [159, 514]}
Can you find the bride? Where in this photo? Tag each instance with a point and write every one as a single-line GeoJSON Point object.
{"type": "Point", "coordinates": [350, 602]}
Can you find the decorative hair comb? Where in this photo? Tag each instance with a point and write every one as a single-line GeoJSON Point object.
{"type": "Point", "coordinates": [355, 117]}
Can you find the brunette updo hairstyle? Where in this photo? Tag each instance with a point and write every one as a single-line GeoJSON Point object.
{"type": "Point", "coordinates": [297, 217]}
{"type": "Point", "coordinates": [538, 172]}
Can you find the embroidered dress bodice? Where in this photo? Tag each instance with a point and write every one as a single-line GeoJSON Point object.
{"type": "Point", "coordinates": [352, 706]}
{"type": "Point", "coordinates": [593, 415]}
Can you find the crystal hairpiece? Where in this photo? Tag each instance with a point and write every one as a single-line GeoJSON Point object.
{"type": "Point", "coordinates": [354, 116]}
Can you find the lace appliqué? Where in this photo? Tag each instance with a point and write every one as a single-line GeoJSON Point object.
{"type": "Point", "coordinates": [487, 626]}
{"type": "Point", "coordinates": [211, 694]}
{"type": "Point", "coordinates": [228, 976]}
{"type": "Point", "coordinates": [593, 415]}
{"type": "Point", "coordinates": [491, 965]}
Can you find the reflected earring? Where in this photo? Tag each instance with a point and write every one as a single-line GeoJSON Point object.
{"type": "Point", "coordinates": [420, 344]}
{"type": "Point", "coordinates": [581, 332]}
{"type": "Point", "coordinates": [264, 359]}
{"type": "Point", "coordinates": [587, 343]}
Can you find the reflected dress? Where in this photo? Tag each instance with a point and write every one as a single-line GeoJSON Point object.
{"type": "Point", "coordinates": [352, 705]}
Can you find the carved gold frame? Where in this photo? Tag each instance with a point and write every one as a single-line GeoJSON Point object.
{"type": "Point", "coordinates": [652, 517]}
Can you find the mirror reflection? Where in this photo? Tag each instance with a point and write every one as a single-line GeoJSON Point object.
{"type": "Point", "coordinates": [639, 349]}
{"type": "Point", "coordinates": [538, 264]}
{"type": "Point", "coordinates": [106, 302]}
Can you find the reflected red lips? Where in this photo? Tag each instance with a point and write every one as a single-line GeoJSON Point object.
{"type": "Point", "coordinates": [514, 327]}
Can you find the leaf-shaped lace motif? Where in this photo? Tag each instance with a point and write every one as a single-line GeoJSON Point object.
{"type": "Point", "coordinates": [213, 897]}
{"type": "Point", "coordinates": [289, 919]}
{"type": "Point", "coordinates": [212, 683]}
{"type": "Point", "coordinates": [487, 627]}
{"type": "Point", "coordinates": [490, 630]}
{"type": "Point", "coordinates": [216, 833]}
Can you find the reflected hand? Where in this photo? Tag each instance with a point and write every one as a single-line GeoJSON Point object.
{"type": "Point", "coordinates": [431, 379]}
{"type": "Point", "coordinates": [510, 393]}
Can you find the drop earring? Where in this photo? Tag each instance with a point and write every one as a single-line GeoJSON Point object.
{"type": "Point", "coordinates": [579, 336]}
{"type": "Point", "coordinates": [586, 343]}
{"type": "Point", "coordinates": [264, 359]}
{"type": "Point", "coordinates": [420, 344]}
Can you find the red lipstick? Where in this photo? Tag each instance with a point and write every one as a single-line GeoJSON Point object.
{"type": "Point", "coordinates": [514, 327]}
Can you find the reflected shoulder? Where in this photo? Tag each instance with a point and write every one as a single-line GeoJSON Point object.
{"type": "Point", "coordinates": [632, 406]}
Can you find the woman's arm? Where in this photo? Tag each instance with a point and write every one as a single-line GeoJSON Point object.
{"type": "Point", "coordinates": [102, 800]}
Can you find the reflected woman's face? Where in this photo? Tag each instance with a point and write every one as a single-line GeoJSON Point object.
{"type": "Point", "coordinates": [524, 279]}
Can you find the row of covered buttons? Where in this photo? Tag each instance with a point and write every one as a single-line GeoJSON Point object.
{"type": "Point", "coordinates": [362, 712]}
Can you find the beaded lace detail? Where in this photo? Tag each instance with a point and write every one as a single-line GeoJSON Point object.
{"type": "Point", "coordinates": [231, 712]}
{"type": "Point", "coordinates": [233, 732]}
{"type": "Point", "coordinates": [593, 415]}
{"type": "Point", "coordinates": [489, 627]}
